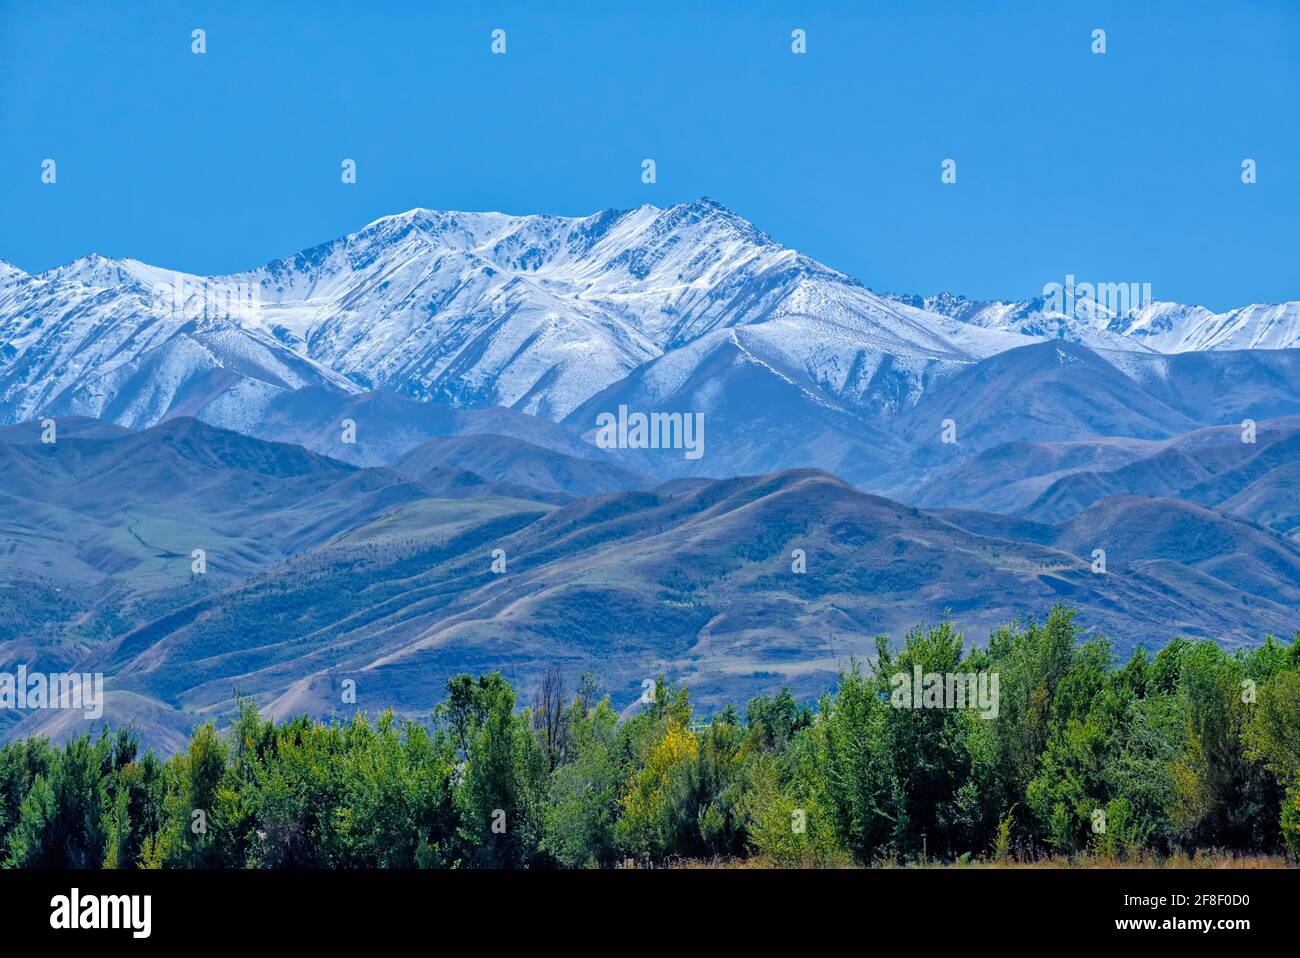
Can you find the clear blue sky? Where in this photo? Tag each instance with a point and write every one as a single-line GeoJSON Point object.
{"type": "Point", "coordinates": [1116, 167]}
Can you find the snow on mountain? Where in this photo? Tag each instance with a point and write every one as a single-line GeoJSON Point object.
{"type": "Point", "coordinates": [103, 273]}
{"type": "Point", "coordinates": [1092, 324]}
{"type": "Point", "coordinates": [536, 313]}
{"type": "Point", "coordinates": [1174, 328]}
{"type": "Point", "coordinates": [539, 312]}
{"type": "Point", "coordinates": [9, 272]}
{"type": "Point", "coordinates": [114, 352]}
{"type": "Point", "coordinates": [1156, 326]}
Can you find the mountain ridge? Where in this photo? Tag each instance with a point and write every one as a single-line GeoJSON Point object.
{"type": "Point", "coordinates": [534, 312]}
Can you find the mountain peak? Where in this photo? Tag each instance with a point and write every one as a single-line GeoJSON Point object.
{"type": "Point", "coordinates": [538, 313]}
{"type": "Point", "coordinates": [96, 269]}
{"type": "Point", "coordinates": [705, 207]}
{"type": "Point", "coordinates": [709, 203]}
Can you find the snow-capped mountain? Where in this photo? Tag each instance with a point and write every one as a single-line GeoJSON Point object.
{"type": "Point", "coordinates": [71, 347]}
{"type": "Point", "coordinates": [1174, 328]}
{"type": "Point", "coordinates": [537, 313]}
{"type": "Point", "coordinates": [1091, 323]}
{"type": "Point", "coordinates": [1157, 326]}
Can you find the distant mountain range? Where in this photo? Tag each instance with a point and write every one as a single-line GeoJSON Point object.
{"type": "Point", "coordinates": [1146, 324]}
{"type": "Point", "coordinates": [536, 313]}
{"type": "Point", "coordinates": [555, 319]}
{"type": "Point", "coordinates": [350, 432]}
{"type": "Point", "coordinates": [319, 571]}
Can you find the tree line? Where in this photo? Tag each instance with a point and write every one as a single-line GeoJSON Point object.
{"type": "Point", "coordinates": [1192, 748]}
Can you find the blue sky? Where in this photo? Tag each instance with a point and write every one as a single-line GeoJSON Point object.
{"type": "Point", "coordinates": [1117, 167]}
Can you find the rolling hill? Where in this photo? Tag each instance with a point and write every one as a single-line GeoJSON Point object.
{"type": "Point", "coordinates": [504, 459]}
{"type": "Point", "coordinates": [693, 580]}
